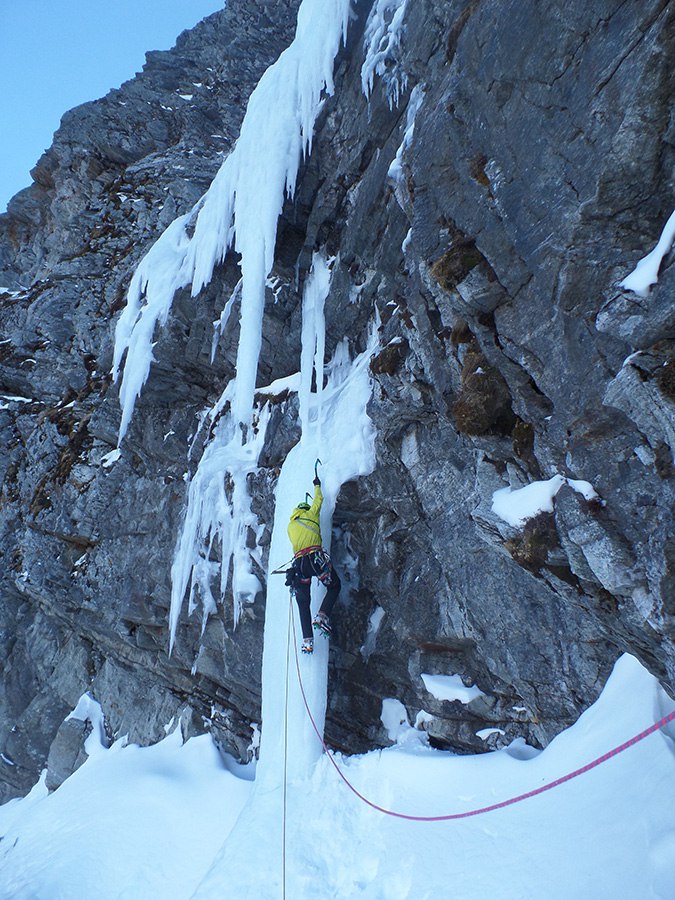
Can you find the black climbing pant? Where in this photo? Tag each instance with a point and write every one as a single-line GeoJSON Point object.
{"type": "Point", "coordinates": [313, 565]}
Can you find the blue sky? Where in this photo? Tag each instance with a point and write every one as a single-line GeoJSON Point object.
{"type": "Point", "coordinates": [57, 54]}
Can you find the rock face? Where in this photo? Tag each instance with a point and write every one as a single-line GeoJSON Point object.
{"type": "Point", "coordinates": [490, 240]}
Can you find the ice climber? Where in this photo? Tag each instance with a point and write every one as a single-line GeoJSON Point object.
{"type": "Point", "coordinates": [311, 560]}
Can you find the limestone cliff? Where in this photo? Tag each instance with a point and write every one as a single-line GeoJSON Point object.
{"type": "Point", "coordinates": [510, 165]}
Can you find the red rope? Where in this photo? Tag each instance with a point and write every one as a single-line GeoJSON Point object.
{"type": "Point", "coordinates": [484, 809]}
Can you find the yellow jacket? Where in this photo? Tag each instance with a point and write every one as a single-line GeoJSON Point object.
{"type": "Point", "coordinates": [304, 529]}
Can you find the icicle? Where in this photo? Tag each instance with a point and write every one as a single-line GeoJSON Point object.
{"type": "Point", "coordinates": [395, 171]}
{"type": "Point", "coordinates": [218, 518]}
{"type": "Point", "coordinates": [313, 340]}
{"type": "Point", "coordinates": [240, 211]}
{"type": "Point", "coordinates": [156, 280]}
{"type": "Point", "coordinates": [220, 325]}
{"type": "Point", "coordinates": [382, 41]}
{"type": "Point", "coordinates": [241, 208]}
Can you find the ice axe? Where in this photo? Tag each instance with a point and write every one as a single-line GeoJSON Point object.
{"type": "Point", "coordinates": [316, 466]}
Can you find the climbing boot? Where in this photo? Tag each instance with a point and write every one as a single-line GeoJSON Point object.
{"type": "Point", "coordinates": [322, 623]}
{"type": "Point", "coordinates": [307, 645]}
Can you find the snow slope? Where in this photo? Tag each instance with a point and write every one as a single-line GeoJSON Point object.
{"type": "Point", "coordinates": [131, 822]}
{"type": "Point", "coordinates": [138, 823]}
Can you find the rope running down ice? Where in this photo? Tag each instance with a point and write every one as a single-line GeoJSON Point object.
{"type": "Point", "coordinates": [485, 809]}
{"type": "Point", "coordinates": [283, 824]}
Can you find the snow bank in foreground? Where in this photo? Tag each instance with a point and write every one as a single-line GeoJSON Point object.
{"type": "Point", "coordinates": [132, 822]}
{"type": "Point", "coordinates": [142, 823]}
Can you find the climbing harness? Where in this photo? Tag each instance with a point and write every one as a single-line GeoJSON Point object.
{"type": "Point", "coordinates": [485, 809]}
{"type": "Point", "coordinates": [286, 567]}
{"type": "Point", "coordinates": [306, 551]}
{"type": "Point", "coordinates": [320, 567]}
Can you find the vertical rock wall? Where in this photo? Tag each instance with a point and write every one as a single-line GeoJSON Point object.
{"type": "Point", "coordinates": [539, 170]}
